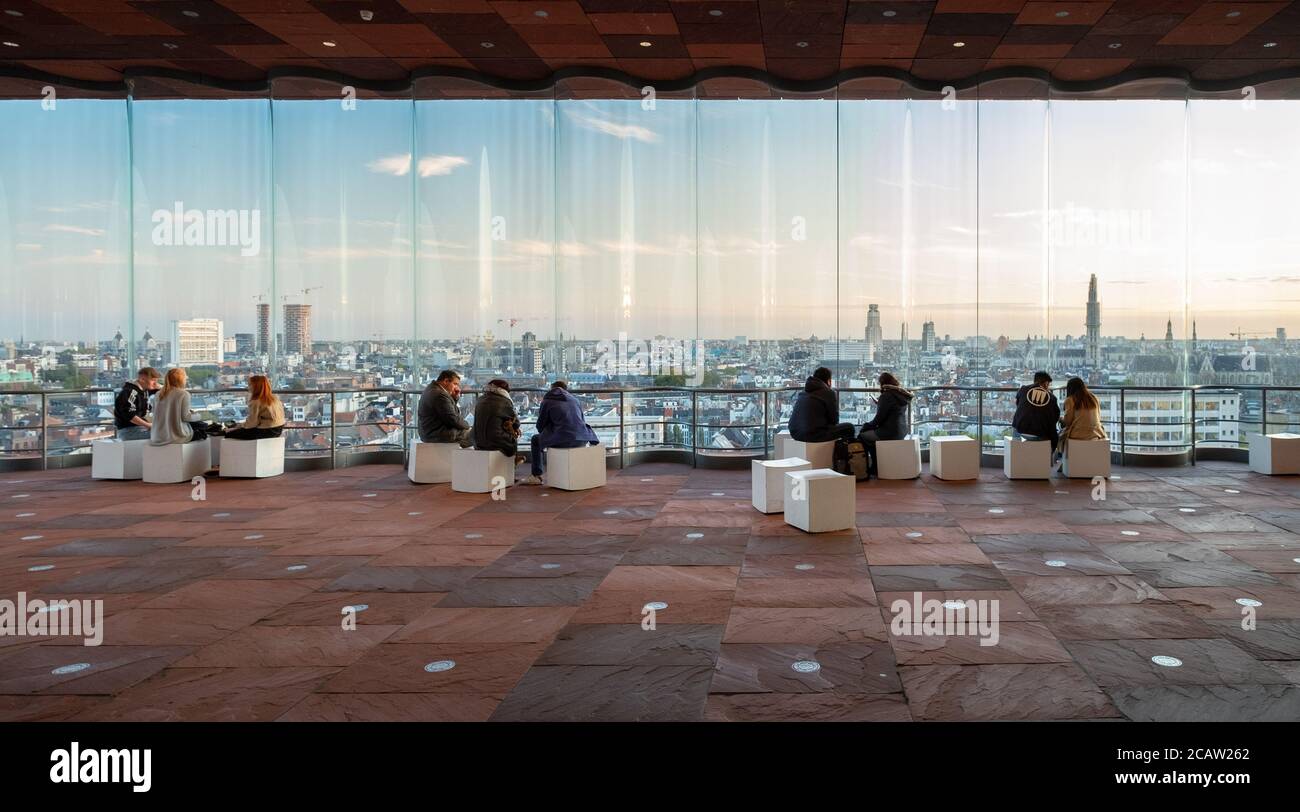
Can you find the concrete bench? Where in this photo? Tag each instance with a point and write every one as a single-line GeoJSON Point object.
{"type": "Point", "coordinates": [254, 459]}
{"type": "Point", "coordinates": [429, 463]}
{"type": "Point", "coordinates": [178, 462]}
{"type": "Point", "coordinates": [1275, 454]}
{"type": "Point", "coordinates": [821, 455]}
{"type": "Point", "coordinates": [575, 469]}
{"type": "Point", "coordinates": [117, 459]}
{"type": "Point", "coordinates": [767, 482]}
{"type": "Point", "coordinates": [1085, 459]}
{"type": "Point", "coordinates": [1026, 459]}
{"type": "Point", "coordinates": [820, 500]}
{"type": "Point", "coordinates": [475, 471]}
{"type": "Point", "coordinates": [898, 459]}
{"type": "Point", "coordinates": [954, 458]}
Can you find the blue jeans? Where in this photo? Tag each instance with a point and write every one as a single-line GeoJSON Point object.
{"type": "Point", "coordinates": [133, 433]}
{"type": "Point", "coordinates": [539, 453]}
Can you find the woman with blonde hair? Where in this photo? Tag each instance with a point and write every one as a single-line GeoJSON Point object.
{"type": "Point", "coordinates": [174, 422]}
{"type": "Point", "coordinates": [1082, 418]}
{"type": "Point", "coordinates": [265, 412]}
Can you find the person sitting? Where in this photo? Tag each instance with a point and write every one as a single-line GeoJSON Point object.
{"type": "Point", "coordinates": [1037, 411]}
{"type": "Point", "coordinates": [816, 415]}
{"type": "Point", "coordinates": [265, 412]}
{"type": "Point", "coordinates": [560, 424]}
{"type": "Point", "coordinates": [496, 424]}
{"type": "Point", "coordinates": [131, 407]}
{"type": "Point", "coordinates": [174, 422]}
{"type": "Point", "coordinates": [1082, 419]}
{"type": "Point", "coordinates": [891, 421]}
{"type": "Point", "coordinates": [440, 418]}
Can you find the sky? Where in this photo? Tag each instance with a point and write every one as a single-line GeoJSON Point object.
{"type": "Point", "coordinates": [713, 219]}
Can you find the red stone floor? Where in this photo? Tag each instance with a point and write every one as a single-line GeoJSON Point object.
{"type": "Point", "coordinates": [231, 608]}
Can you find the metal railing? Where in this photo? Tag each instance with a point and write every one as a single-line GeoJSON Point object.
{"type": "Point", "coordinates": [37, 416]}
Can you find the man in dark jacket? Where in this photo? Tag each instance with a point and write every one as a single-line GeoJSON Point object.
{"type": "Point", "coordinates": [891, 421]}
{"type": "Point", "coordinates": [1037, 411]}
{"type": "Point", "coordinates": [816, 415]}
{"type": "Point", "coordinates": [560, 424]}
{"type": "Point", "coordinates": [496, 424]}
{"type": "Point", "coordinates": [131, 407]}
{"type": "Point", "coordinates": [440, 420]}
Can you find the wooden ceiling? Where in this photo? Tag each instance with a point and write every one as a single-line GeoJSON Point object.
{"type": "Point", "coordinates": [234, 41]}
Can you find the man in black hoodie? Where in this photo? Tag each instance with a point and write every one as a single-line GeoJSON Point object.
{"type": "Point", "coordinates": [131, 408]}
{"type": "Point", "coordinates": [1037, 411]}
{"type": "Point", "coordinates": [816, 415]}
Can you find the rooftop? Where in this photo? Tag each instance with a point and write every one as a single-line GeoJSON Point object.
{"type": "Point", "coordinates": [231, 608]}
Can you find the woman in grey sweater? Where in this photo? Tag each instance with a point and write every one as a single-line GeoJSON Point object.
{"type": "Point", "coordinates": [173, 422]}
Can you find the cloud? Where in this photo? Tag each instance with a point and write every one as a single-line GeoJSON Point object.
{"type": "Point", "coordinates": [28, 246]}
{"type": "Point", "coordinates": [64, 228]}
{"type": "Point", "coordinates": [623, 131]}
{"type": "Point", "coordinates": [396, 165]}
{"type": "Point", "coordinates": [431, 165]}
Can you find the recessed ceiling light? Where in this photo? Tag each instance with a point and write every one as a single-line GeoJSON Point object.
{"type": "Point", "coordinates": [915, 534]}
{"type": "Point", "coordinates": [1248, 602]}
{"type": "Point", "coordinates": [715, 12]}
{"type": "Point", "coordinates": [801, 44]}
{"type": "Point", "coordinates": [1167, 662]}
{"type": "Point", "coordinates": [329, 43]}
{"type": "Point", "coordinates": [13, 12]}
{"type": "Point", "coordinates": [657, 606]}
{"type": "Point", "coordinates": [1055, 562]}
{"type": "Point", "coordinates": [41, 568]}
{"type": "Point", "coordinates": [1270, 45]}
{"type": "Point", "coordinates": [694, 535]}
{"type": "Point", "coordinates": [190, 13]}
{"type": "Point", "coordinates": [367, 14]}
{"type": "Point", "coordinates": [541, 13]}
{"type": "Point", "coordinates": [1062, 14]}
{"type": "Point", "coordinates": [70, 669]}
{"type": "Point", "coordinates": [1114, 45]}
{"type": "Point", "coordinates": [646, 44]}
{"type": "Point", "coordinates": [295, 568]}
{"type": "Point", "coordinates": [486, 44]}
{"type": "Point", "coordinates": [959, 45]}
{"type": "Point", "coordinates": [1129, 533]}
{"type": "Point", "coordinates": [440, 665]}
{"type": "Point", "coordinates": [1233, 14]}
{"type": "Point", "coordinates": [890, 13]}
{"type": "Point", "coordinates": [11, 44]}
{"type": "Point", "coordinates": [805, 567]}
{"type": "Point", "coordinates": [171, 46]}
{"type": "Point", "coordinates": [806, 666]}
{"type": "Point", "coordinates": [954, 604]}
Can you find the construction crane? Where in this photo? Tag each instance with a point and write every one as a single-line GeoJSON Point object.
{"type": "Point", "coordinates": [512, 323]}
{"type": "Point", "coordinates": [1243, 335]}
{"type": "Point", "coordinates": [302, 292]}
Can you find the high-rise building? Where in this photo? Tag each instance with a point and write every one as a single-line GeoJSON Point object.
{"type": "Point", "coordinates": [244, 343]}
{"type": "Point", "coordinates": [297, 329]}
{"type": "Point", "coordinates": [197, 342]}
{"type": "Point", "coordinates": [874, 335]}
{"type": "Point", "coordinates": [263, 328]}
{"type": "Point", "coordinates": [528, 340]}
{"type": "Point", "coordinates": [1093, 324]}
{"type": "Point", "coordinates": [1281, 334]}
{"type": "Point", "coordinates": [929, 341]}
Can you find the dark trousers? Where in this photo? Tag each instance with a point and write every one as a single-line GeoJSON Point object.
{"type": "Point", "coordinates": [539, 453]}
{"type": "Point", "coordinates": [254, 434]}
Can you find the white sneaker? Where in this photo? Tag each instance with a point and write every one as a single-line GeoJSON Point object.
{"type": "Point", "coordinates": [530, 480]}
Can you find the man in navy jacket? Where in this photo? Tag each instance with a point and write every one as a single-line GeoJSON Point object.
{"type": "Point", "coordinates": [560, 424]}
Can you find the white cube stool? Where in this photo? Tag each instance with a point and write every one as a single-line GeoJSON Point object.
{"type": "Point", "coordinates": [253, 458]}
{"type": "Point", "coordinates": [474, 471]}
{"type": "Point", "coordinates": [820, 500]}
{"type": "Point", "coordinates": [178, 462]}
{"type": "Point", "coordinates": [898, 459]}
{"type": "Point", "coordinates": [954, 457]}
{"type": "Point", "coordinates": [778, 445]}
{"type": "Point", "coordinates": [117, 459]}
{"type": "Point", "coordinates": [575, 469]}
{"type": "Point", "coordinates": [1085, 459]}
{"type": "Point", "coordinates": [1275, 453]}
{"type": "Point", "coordinates": [428, 463]}
{"type": "Point", "coordinates": [821, 455]}
{"type": "Point", "coordinates": [1026, 459]}
{"type": "Point", "coordinates": [767, 482]}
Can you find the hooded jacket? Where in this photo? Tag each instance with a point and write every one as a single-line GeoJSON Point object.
{"type": "Point", "coordinates": [816, 412]}
{"type": "Point", "coordinates": [495, 421]}
{"type": "Point", "coordinates": [1036, 412]}
{"type": "Point", "coordinates": [131, 402]}
{"type": "Point", "coordinates": [439, 416]}
{"type": "Point", "coordinates": [891, 421]}
{"type": "Point", "coordinates": [560, 422]}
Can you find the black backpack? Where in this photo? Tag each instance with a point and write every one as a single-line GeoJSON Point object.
{"type": "Point", "coordinates": [850, 458]}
